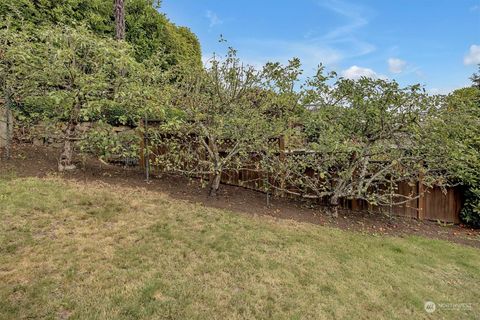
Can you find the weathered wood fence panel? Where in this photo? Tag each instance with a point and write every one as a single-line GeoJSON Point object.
{"type": "Point", "coordinates": [434, 204]}
{"type": "Point", "coordinates": [441, 206]}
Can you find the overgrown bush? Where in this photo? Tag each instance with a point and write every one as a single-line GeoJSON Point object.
{"type": "Point", "coordinates": [107, 144]}
{"type": "Point", "coordinates": [451, 145]}
{"type": "Point", "coordinates": [470, 213]}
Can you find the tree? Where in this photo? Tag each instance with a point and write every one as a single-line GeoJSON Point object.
{"type": "Point", "coordinates": [451, 145]}
{"type": "Point", "coordinates": [119, 20]}
{"type": "Point", "coordinates": [147, 30]}
{"type": "Point", "coordinates": [451, 136]}
{"type": "Point", "coordinates": [76, 75]}
{"type": "Point", "coordinates": [223, 122]}
{"type": "Point", "coordinates": [361, 139]}
{"type": "Point", "coordinates": [15, 73]}
{"type": "Point", "coordinates": [476, 79]}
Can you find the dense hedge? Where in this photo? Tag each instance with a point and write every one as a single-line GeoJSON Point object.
{"type": "Point", "coordinates": [148, 31]}
{"type": "Point", "coordinates": [471, 209]}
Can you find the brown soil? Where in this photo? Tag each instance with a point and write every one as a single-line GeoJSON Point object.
{"type": "Point", "coordinates": [28, 161]}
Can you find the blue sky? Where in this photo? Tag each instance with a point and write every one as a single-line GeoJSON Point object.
{"type": "Point", "coordinates": [432, 42]}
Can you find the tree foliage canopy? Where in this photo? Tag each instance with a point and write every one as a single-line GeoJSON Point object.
{"type": "Point", "coordinates": [453, 143]}
{"type": "Point", "coordinates": [148, 31]}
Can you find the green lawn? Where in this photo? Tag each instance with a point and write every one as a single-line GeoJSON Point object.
{"type": "Point", "coordinates": [90, 251]}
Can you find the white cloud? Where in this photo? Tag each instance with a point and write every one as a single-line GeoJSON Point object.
{"type": "Point", "coordinates": [329, 48]}
{"type": "Point", "coordinates": [356, 72]}
{"type": "Point", "coordinates": [311, 54]}
{"type": "Point", "coordinates": [345, 36]}
{"type": "Point", "coordinates": [354, 14]}
{"type": "Point", "coordinates": [396, 65]}
{"type": "Point", "coordinates": [473, 56]}
{"type": "Point", "coordinates": [213, 18]}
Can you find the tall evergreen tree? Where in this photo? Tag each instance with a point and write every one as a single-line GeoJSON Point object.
{"type": "Point", "coordinates": [476, 79]}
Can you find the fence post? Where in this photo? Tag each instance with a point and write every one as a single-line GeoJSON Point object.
{"type": "Point", "coordinates": [142, 145]}
{"type": "Point", "coordinates": [421, 198]}
{"type": "Point", "coordinates": [281, 155]}
{"type": "Point", "coordinates": [147, 153]}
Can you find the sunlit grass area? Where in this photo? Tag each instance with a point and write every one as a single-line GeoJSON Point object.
{"type": "Point", "coordinates": [92, 251]}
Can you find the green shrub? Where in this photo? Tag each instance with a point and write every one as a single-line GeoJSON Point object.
{"type": "Point", "coordinates": [102, 141]}
{"type": "Point", "coordinates": [471, 209]}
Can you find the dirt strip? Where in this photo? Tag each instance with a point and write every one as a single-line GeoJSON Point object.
{"type": "Point", "coordinates": [31, 161]}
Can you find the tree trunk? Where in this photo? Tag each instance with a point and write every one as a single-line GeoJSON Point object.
{"type": "Point", "coordinates": [334, 206]}
{"type": "Point", "coordinates": [215, 183]}
{"type": "Point", "coordinates": [119, 20]}
{"type": "Point", "coordinates": [66, 157]}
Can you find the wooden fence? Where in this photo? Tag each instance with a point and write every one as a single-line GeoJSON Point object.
{"type": "Point", "coordinates": [428, 204]}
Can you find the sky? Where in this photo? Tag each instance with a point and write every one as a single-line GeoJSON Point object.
{"type": "Point", "coordinates": [432, 42]}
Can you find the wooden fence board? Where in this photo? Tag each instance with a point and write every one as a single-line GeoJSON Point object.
{"type": "Point", "coordinates": [443, 206]}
